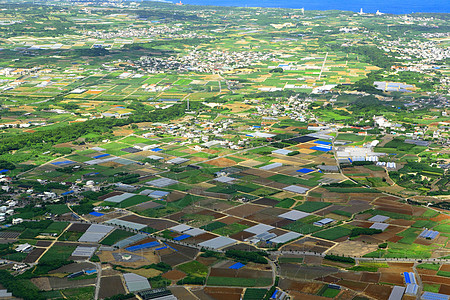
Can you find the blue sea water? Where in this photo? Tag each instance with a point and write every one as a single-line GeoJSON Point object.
{"type": "Point", "coordinates": [369, 6]}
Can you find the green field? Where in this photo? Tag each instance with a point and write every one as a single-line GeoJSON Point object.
{"type": "Point", "coordinates": [115, 236]}
{"type": "Point", "coordinates": [333, 233]}
{"type": "Point", "coordinates": [233, 281]}
{"type": "Point", "coordinates": [310, 206]}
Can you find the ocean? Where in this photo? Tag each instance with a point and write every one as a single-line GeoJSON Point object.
{"type": "Point", "coordinates": [369, 6]}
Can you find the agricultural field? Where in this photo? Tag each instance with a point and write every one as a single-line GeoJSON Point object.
{"type": "Point", "coordinates": [226, 153]}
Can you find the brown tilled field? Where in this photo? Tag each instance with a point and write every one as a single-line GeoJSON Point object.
{"type": "Point", "coordinates": [34, 255]}
{"type": "Point", "coordinates": [354, 285]}
{"type": "Point", "coordinates": [182, 293]}
{"type": "Point", "coordinates": [110, 286]}
{"type": "Point", "coordinates": [174, 275]}
{"type": "Point", "coordinates": [221, 162]}
{"type": "Point", "coordinates": [224, 293]}
{"type": "Point", "coordinates": [304, 287]}
{"type": "Point", "coordinates": [78, 227]}
{"type": "Point", "coordinates": [380, 292]}
{"type": "Point", "coordinates": [245, 210]}
{"type": "Point", "coordinates": [370, 277]}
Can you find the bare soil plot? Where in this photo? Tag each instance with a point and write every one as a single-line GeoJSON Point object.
{"type": "Point", "coordinates": [370, 277]}
{"type": "Point", "coordinates": [304, 287]}
{"type": "Point", "coordinates": [110, 286]}
{"type": "Point", "coordinates": [245, 210]}
{"type": "Point", "coordinates": [229, 220]}
{"type": "Point", "coordinates": [174, 275]}
{"type": "Point", "coordinates": [445, 267]}
{"type": "Point", "coordinates": [381, 292]}
{"type": "Point", "coordinates": [43, 243]}
{"type": "Point", "coordinates": [354, 285]}
{"type": "Point", "coordinates": [224, 293]}
{"type": "Point", "coordinates": [34, 255]}
{"type": "Point", "coordinates": [78, 227]}
{"type": "Point", "coordinates": [266, 201]}
{"type": "Point", "coordinates": [182, 293]}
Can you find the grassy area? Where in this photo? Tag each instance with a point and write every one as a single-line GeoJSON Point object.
{"type": "Point", "coordinates": [424, 223]}
{"type": "Point", "coordinates": [286, 203]}
{"type": "Point", "coordinates": [342, 213]}
{"type": "Point", "coordinates": [408, 251]}
{"type": "Point", "coordinates": [389, 214]}
{"type": "Point", "coordinates": [58, 252]}
{"type": "Point", "coordinates": [333, 233]}
{"type": "Point", "coordinates": [58, 209]}
{"type": "Point", "coordinates": [115, 236]}
{"type": "Point", "coordinates": [56, 227]}
{"type": "Point", "coordinates": [254, 294]}
{"type": "Point", "coordinates": [443, 273]}
{"type": "Point", "coordinates": [214, 226]}
{"type": "Point", "coordinates": [80, 293]}
{"type": "Point", "coordinates": [434, 288]}
{"type": "Point", "coordinates": [329, 292]}
{"type": "Point", "coordinates": [301, 227]}
{"type": "Point", "coordinates": [290, 260]}
{"type": "Point", "coordinates": [409, 235]}
{"type": "Point", "coordinates": [70, 236]}
{"type": "Point", "coordinates": [131, 201]}
{"type": "Point", "coordinates": [194, 268]}
{"type": "Point", "coordinates": [230, 229]}
{"type": "Point", "coordinates": [310, 206]}
{"type": "Point", "coordinates": [429, 266]}
{"type": "Point", "coordinates": [368, 267]}
{"type": "Point", "coordinates": [233, 281]}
